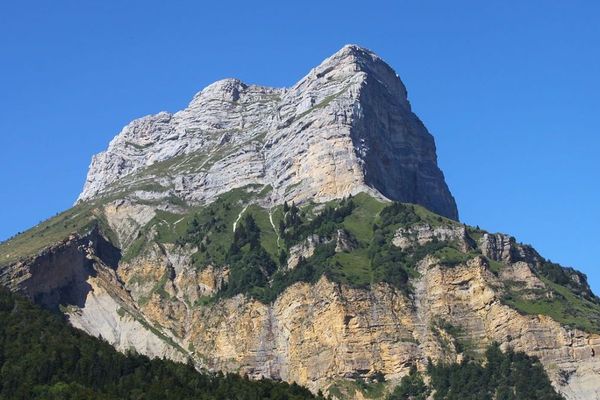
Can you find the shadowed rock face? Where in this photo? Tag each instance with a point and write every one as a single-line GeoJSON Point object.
{"type": "Point", "coordinates": [59, 274]}
{"type": "Point", "coordinates": [344, 128]}
{"type": "Point", "coordinates": [400, 156]}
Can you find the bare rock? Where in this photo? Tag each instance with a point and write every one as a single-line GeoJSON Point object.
{"type": "Point", "coordinates": [421, 234]}
{"type": "Point", "coordinates": [344, 128]}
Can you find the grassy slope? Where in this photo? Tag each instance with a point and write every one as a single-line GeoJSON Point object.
{"type": "Point", "coordinates": [78, 219]}
{"type": "Point", "coordinates": [564, 306]}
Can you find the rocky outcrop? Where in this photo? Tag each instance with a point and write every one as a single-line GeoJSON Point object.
{"type": "Point", "coordinates": [57, 274]}
{"type": "Point", "coordinates": [317, 334]}
{"type": "Point", "coordinates": [126, 219]}
{"type": "Point", "coordinates": [422, 234]}
{"type": "Point", "coordinates": [303, 250]}
{"type": "Point", "coordinates": [468, 298]}
{"type": "Point", "coordinates": [346, 127]}
{"type": "Point", "coordinates": [109, 312]}
{"type": "Point", "coordinates": [311, 334]}
{"type": "Point", "coordinates": [78, 276]}
{"type": "Point", "coordinates": [498, 247]}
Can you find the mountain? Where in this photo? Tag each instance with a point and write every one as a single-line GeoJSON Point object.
{"type": "Point", "coordinates": [303, 234]}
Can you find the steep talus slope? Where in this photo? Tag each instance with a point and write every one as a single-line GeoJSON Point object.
{"type": "Point", "coordinates": [225, 234]}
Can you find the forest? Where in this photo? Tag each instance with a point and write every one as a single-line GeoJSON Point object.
{"type": "Point", "coordinates": [502, 375]}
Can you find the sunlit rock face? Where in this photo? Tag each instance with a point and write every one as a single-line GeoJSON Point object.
{"type": "Point", "coordinates": [344, 128]}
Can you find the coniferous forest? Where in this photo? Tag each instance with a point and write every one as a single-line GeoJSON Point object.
{"type": "Point", "coordinates": [506, 375]}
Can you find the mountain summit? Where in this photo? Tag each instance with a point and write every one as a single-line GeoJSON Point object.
{"type": "Point", "coordinates": [345, 128]}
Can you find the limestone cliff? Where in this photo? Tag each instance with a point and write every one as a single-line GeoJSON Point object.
{"type": "Point", "coordinates": [344, 128]}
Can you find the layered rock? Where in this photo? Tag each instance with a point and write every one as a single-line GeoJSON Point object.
{"type": "Point", "coordinates": [468, 297]}
{"type": "Point", "coordinates": [422, 234]}
{"type": "Point", "coordinates": [346, 127]}
{"type": "Point", "coordinates": [78, 276]}
{"type": "Point", "coordinates": [317, 334]}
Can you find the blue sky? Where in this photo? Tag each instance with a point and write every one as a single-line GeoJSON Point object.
{"type": "Point", "coordinates": [509, 89]}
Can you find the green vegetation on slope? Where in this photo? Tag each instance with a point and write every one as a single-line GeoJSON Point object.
{"type": "Point", "coordinates": [504, 376]}
{"type": "Point", "coordinates": [78, 219]}
{"type": "Point", "coordinates": [559, 303]}
{"type": "Point", "coordinates": [41, 357]}
{"type": "Point", "coordinates": [210, 228]}
{"type": "Point", "coordinates": [575, 281]}
{"type": "Point", "coordinates": [368, 225]}
{"type": "Point", "coordinates": [249, 263]}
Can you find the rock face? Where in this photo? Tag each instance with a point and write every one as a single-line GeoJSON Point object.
{"type": "Point", "coordinates": [344, 128]}
{"type": "Point", "coordinates": [79, 273]}
{"type": "Point", "coordinates": [422, 234]}
{"type": "Point", "coordinates": [314, 334]}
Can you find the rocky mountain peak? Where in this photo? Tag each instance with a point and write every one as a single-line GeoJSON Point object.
{"type": "Point", "coordinates": [360, 63]}
{"type": "Point", "coordinates": [352, 55]}
{"type": "Point", "coordinates": [228, 89]}
{"type": "Point", "coordinates": [344, 128]}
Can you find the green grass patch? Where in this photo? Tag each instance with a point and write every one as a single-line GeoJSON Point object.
{"type": "Point", "coordinates": [495, 266]}
{"type": "Point", "coordinates": [564, 307]}
{"type": "Point", "coordinates": [360, 222]}
{"type": "Point", "coordinates": [450, 257]}
{"type": "Point", "coordinates": [432, 218]}
{"type": "Point", "coordinates": [354, 267]}
{"type": "Point", "coordinates": [322, 104]}
{"type": "Point", "coordinates": [77, 220]}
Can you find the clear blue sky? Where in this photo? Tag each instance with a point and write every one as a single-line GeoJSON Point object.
{"type": "Point", "coordinates": [509, 89]}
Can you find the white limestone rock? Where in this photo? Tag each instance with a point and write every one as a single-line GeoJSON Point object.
{"type": "Point", "coordinates": [344, 128]}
